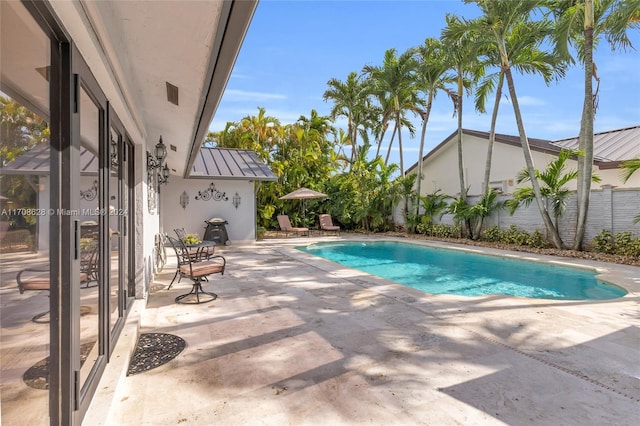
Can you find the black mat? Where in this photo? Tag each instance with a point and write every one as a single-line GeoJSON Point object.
{"type": "Point", "coordinates": [154, 350]}
{"type": "Point", "coordinates": [37, 376]}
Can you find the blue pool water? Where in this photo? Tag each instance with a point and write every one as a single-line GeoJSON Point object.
{"type": "Point", "coordinates": [440, 271]}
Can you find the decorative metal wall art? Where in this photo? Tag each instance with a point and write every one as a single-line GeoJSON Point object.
{"type": "Point", "coordinates": [212, 193]}
{"type": "Point", "coordinates": [236, 200]}
{"type": "Point", "coordinates": [91, 193]}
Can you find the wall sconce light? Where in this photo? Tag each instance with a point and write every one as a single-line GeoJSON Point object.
{"type": "Point", "coordinates": [155, 161]}
{"type": "Point", "coordinates": [163, 176]}
{"type": "Point", "coordinates": [236, 200]}
{"type": "Point", "coordinates": [184, 199]}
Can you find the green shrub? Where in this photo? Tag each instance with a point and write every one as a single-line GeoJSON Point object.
{"type": "Point", "coordinates": [622, 243]}
{"type": "Point", "coordinates": [438, 230]}
{"type": "Point", "coordinates": [492, 234]}
{"type": "Point", "coordinates": [537, 240]}
{"type": "Point", "coordinates": [603, 242]}
{"type": "Point", "coordinates": [513, 235]}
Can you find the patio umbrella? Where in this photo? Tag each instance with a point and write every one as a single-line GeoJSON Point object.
{"type": "Point", "coordinates": [303, 194]}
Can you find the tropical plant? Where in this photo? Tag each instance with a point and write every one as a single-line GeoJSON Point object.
{"type": "Point", "coordinates": [20, 131]}
{"type": "Point", "coordinates": [393, 84]}
{"type": "Point", "coordinates": [554, 178]}
{"type": "Point", "coordinates": [301, 154]}
{"type": "Point", "coordinates": [434, 206]}
{"type": "Point", "coordinates": [581, 24]}
{"type": "Point", "coordinates": [462, 58]}
{"type": "Point", "coordinates": [350, 100]}
{"type": "Point", "coordinates": [487, 206]}
{"type": "Point", "coordinates": [503, 16]}
{"type": "Point", "coordinates": [431, 77]}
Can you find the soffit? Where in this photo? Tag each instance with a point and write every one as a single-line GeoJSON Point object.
{"type": "Point", "coordinates": [134, 48]}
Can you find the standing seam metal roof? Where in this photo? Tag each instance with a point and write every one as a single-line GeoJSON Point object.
{"type": "Point", "coordinates": [230, 164]}
{"type": "Point", "coordinates": [614, 145]}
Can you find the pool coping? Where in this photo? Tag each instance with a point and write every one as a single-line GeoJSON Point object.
{"type": "Point", "coordinates": [626, 277]}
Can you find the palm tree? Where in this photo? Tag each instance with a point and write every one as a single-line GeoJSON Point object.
{"type": "Point", "coordinates": [462, 59]}
{"type": "Point", "coordinates": [431, 76]}
{"type": "Point", "coordinates": [581, 24]}
{"type": "Point", "coordinates": [525, 56]}
{"type": "Point", "coordinates": [554, 178]}
{"type": "Point", "coordinates": [393, 80]}
{"type": "Point", "coordinates": [502, 16]}
{"type": "Point", "coordinates": [351, 101]}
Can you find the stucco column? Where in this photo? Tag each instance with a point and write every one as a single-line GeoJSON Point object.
{"type": "Point", "coordinates": [607, 207]}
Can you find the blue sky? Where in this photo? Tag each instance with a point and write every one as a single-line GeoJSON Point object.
{"type": "Point", "coordinates": [292, 48]}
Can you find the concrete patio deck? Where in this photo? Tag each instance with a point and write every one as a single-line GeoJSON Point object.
{"type": "Point", "coordinates": [296, 340]}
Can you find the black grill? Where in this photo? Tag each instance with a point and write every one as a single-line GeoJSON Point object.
{"type": "Point", "coordinates": [216, 231]}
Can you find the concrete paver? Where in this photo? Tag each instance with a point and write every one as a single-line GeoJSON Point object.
{"type": "Point", "coordinates": [295, 340]}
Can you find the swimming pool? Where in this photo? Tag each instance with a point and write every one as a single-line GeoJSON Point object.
{"type": "Point", "coordinates": [441, 271]}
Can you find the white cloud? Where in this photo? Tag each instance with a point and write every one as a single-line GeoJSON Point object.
{"type": "Point", "coordinates": [525, 101]}
{"type": "Point", "coordinates": [233, 95]}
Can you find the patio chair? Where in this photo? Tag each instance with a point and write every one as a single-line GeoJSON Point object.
{"type": "Point", "coordinates": [88, 262]}
{"type": "Point", "coordinates": [326, 224]}
{"type": "Point", "coordinates": [196, 271]}
{"type": "Point", "coordinates": [285, 226]}
{"type": "Point", "coordinates": [180, 257]}
{"type": "Point", "coordinates": [196, 253]}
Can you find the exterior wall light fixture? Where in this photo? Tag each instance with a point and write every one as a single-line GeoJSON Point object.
{"type": "Point", "coordinates": [156, 160]}
{"type": "Point", "coordinates": [236, 200]}
{"type": "Point", "coordinates": [184, 199]}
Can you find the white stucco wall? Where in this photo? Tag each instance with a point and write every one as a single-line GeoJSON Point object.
{"type": "Point", "coordinates": [441, 169]}
{"type": "Point", "coordinates": [242, 221]}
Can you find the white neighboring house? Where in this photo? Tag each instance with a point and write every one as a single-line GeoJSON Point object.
{"type": "Point", "coordinates": [440, 165]}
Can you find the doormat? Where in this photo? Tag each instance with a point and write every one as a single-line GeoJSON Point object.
{"type": "Point", "coordinates": [154, 350]}
{"type": "Point", "coordinates": [37, 376]}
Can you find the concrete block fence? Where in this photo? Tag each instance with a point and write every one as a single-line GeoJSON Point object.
{"type": "Point", "coordinates": [610, 208]}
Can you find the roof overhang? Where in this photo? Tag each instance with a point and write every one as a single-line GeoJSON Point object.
{"type": "Point", "coordinates": [163, 65]}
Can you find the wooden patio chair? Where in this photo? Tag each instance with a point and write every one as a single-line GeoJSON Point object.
{"type": "Point", "coordinates": [285, 226]}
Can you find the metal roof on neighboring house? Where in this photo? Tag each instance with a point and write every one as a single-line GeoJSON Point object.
{"type": "Point", "coordinates": [614, 145]}
{"type": "Point", "coordinates": [36, 162]}
{"type": "Point", "coordinates": [230, 164]}
{"type": "Point", "coordinates": [609, 148]}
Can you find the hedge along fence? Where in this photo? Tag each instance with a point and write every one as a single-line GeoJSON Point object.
{"type": "Point", "coordinates": [610, 209]}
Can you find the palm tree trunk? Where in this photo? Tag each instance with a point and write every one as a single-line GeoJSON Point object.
{"type": "Point", "coordinates": [425, 119]}
{"type": "Point", "coordinates": [400, 143]}
{"type": "Point", "coordinates": [464, 225]}
{"type": "Point", "coordinates": [492, 138]}
{"type": "Point", "coordinates": [402, 172]}
{"type": "Point", "coordinates": [585, 161]}
{"type": "Point", "coordinates": [551, 229]}
{"type": "Point", "coordinates": [463, 192]}
{"type": "Point", "coordinates": [380, 140]}
{"type": "Point", "coordinates": [393, 136]}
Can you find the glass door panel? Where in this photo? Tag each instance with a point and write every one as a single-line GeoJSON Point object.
{"type": "Point", "coordinates": [25, 267]}
{"type": "Point", "coordinates": [116, 231]}
{"type": "Point", "coordinates": [90, 218]}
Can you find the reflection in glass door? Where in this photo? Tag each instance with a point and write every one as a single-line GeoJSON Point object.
{"type": "Point", "coordinates": [25, 268]}
{"type": "Point", "coordinates": [90, 217]}
{"type": "Point", "coordinates": [116, 229]}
